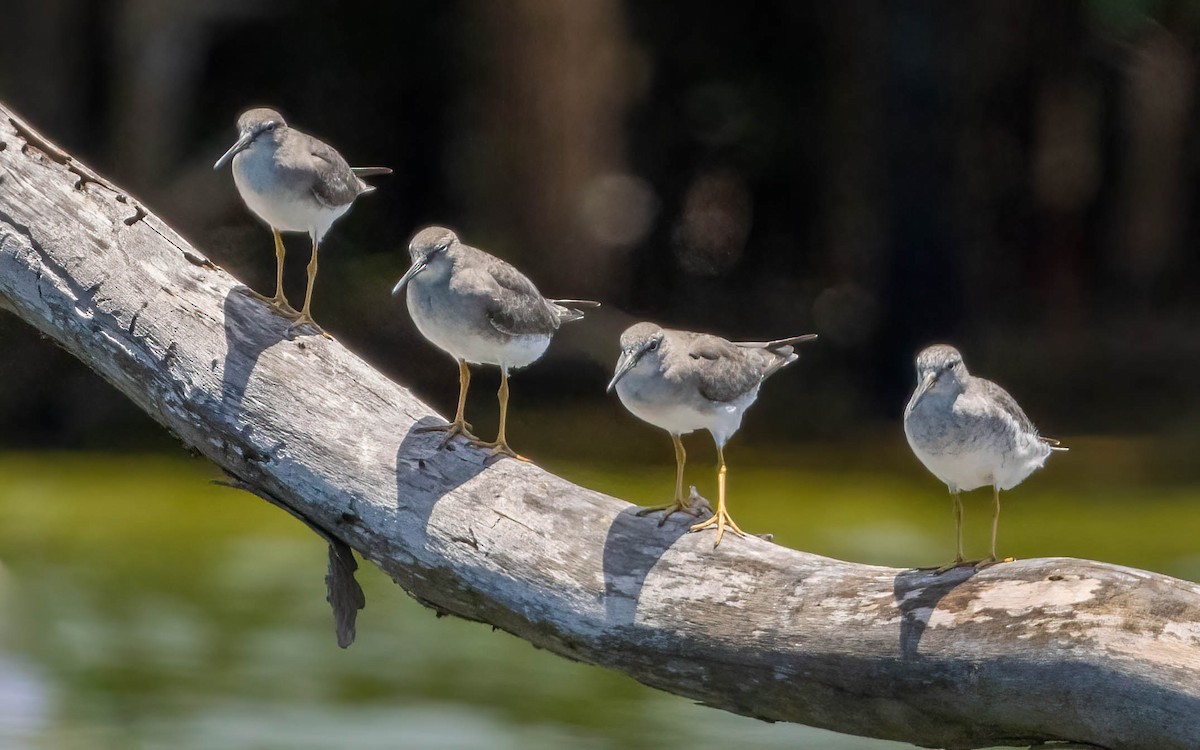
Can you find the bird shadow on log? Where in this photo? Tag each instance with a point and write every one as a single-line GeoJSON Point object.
{"type": "Point", "coordinates": [632, 548]}
{"type": "Point", "coordinates": [426, 472]}
{"type": "Point", "coordinates": [251, 327]}
{"type": "Point", "coordinates": [917, 594]}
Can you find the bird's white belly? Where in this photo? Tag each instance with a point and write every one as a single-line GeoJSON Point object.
{"type": "Point", "coordinates": [683, 416]}
{"type": "Point", "coordinates": [962, 472]}
{"type": "Point", "coordinates": [460, 338]}
{"type": "Point", "coordinates": [282, 209]}
{"type": "Point", "coordinates": [970, 469]}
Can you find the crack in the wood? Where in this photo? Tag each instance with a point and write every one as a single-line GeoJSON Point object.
{"type": "Point", "coordinates": [134, 318]}
{"type": "Point", "coordinates": [199, 260]}
{"type": "Point", "coordinates": [138, 211]}
{"type": "Point", "coordinates": [35, 140]}
{"type": "Point", "coordinates": [510, 518]}
{"type": "Point", "coordinates": [467, 540]}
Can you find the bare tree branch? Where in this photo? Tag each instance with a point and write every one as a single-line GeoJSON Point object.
{"type": "Point", "coordinates": [1038, 650]}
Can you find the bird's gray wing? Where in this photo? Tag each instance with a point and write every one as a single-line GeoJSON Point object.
{"type": "Point", "coordinates": [723, 370]}
{"type": "Point", "coordinates": [514, 305]}
{"type": "Point", "coordinates": [1005, 403]}
{"type": "Point", "coordinates": [334, 183]}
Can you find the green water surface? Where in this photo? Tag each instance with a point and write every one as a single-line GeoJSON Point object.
{"type": "Point", "coordinates": [142, 606]}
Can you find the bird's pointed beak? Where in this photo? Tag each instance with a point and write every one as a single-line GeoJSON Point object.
{"type": "Point", "coordinates": [242, 144]}
{"type": "Point", "coordinates": [415, 269]}
{"type": "Point", "coordinates": [625, 363]}
{"type": "Point", "coordinates": [925, 384]}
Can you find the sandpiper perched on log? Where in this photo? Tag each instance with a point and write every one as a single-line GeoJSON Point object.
{"type": "Point", "coordinates": [683, 381]}
{"type": "Point", "coordinates": [294, 183]}
{"type": "Point", "coordinates": [970, 433]}
{"type": "Point", "coordinates": [479, 310]}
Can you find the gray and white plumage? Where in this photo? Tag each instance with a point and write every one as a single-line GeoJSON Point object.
{"type": "Point", "coordinates": [477, 307]}
{"type": "Point", "coordinates": [968, 431]}
{"type": "Point", "coordinates": [683, 381]}
{"type": "Point", "coordinates": [289, 179]}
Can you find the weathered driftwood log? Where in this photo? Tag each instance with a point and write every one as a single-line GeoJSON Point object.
{"type": "Point", "coordinates": [1038, 650]}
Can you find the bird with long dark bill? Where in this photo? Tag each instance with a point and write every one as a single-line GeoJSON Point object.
{"type": "Point", "coordinates": [683, 381]}
{"type": "Point", "coordinates": [294, 183]}
{"type": "Point", "coordinates": [970, 433]}
{"type": "Point", "coordinates": [479, 310]}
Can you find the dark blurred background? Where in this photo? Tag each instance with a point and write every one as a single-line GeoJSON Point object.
{"type": "Point", "coordinates": [1017, 178]}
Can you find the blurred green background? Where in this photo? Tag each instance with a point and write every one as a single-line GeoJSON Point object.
{"type": "Point", "coordinates": [1016, 178]}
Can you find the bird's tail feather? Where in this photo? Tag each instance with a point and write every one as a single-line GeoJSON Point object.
{"type": "Point", "coordinates": [783, 350]}
{"type": "Point", "coordinates": [1055, 445]}
{"type": "Point", "coordinates": [777, 344]}
{"type": "Point", "coordinates": [370, 171]}
{"type": "Point", "coordinates": [566, 308]}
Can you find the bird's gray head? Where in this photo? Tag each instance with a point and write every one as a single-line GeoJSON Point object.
{"type": "Point", "coordinates": [425, 246]}
{"type": "Point", "coordinates": [940, 368]}
{"type": "Point", "coordinates": [431, 240]}
{"type": "Point", "coordinates": [260, 125]}
{"type": "Point", "coordinates": [641, 341]}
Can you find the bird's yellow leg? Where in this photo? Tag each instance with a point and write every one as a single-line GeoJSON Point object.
{"type": "Point", "coordinates": [305, 317]}
{"type": "Point", "coordinates": [958, 524]}
{"type": "Point", "coordinates": [499, 446]}
{"type": "Point", "coordinates": [993, 559]}
{"type": "Point", "coordinates": [279, 301]}
{"type": "Point", "coordinates": [721, 518]}
{"type": "Point", "coordinates": [680, 503]}
{"type": "Point", "coordinates": [459, 426]}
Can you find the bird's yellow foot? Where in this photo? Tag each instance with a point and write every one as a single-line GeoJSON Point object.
{"type": "Point", "coordinates": [993, 560]}
{"type": "Point", "coordinates": [305, 320]}
{"type": "Point", "coordinates": [452, 430]}
{"type": "Point", "coordinates": [694, 505]}
{"type": "Point", "coordinates": [722, 521]}
{"type": "Point", "coordinates": [958, 563]}
{"type": "Point", "coordinates": [498, 448]}
{"type": "Point", "coordinates": [279, 302]}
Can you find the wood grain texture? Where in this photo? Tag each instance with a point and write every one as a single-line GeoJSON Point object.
{"type": "Point", "coordinates": [1038, 650]}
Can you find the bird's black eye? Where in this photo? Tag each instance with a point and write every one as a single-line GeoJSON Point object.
{"type": "Point", "coordinates": [653, 346]}
{"type": "Point", "coordinates": [272, 125]}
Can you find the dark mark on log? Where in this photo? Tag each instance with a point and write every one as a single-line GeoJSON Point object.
{"type": "Point", "coordinates": [139, 214]}
{"type": "Point", "coordinates": [470, 541]}
{"type": "Point", "coordinates": [133, 319]}
{"type": "Point", "coordinates": [198, 260]}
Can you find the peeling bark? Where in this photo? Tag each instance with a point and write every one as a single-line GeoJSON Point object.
{"type": "Point", "coordinates": [1038, 650]}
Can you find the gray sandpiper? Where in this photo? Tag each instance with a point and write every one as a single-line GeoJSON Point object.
{"type": "Point", "coordinates": [294, 183]}
{"type": "Point", "coordinates": [479, 310]}
{"type": "Point", "coordinates": [683, 381]}
{"type": "Point", "coordinates": [970, 433]}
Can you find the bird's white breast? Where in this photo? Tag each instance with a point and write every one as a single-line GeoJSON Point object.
{"type": "Point", "coordinates": [679, 410]}
{"type": "Point", "coordinates": [275, 201]}
{"type": "Point", "coordinates": [968, 446]}
{"type": "Point", "coordinates": [462, 329]}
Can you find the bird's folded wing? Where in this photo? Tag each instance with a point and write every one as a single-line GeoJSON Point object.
{"type": "Point", "coordinates": [1007, 405]}
{"type": "Point", "coordinates": [514, 305]}
{"type": "Point", "coordinates": [334, 182]}
{"type": "Point", "coordinates": [723, 371]}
